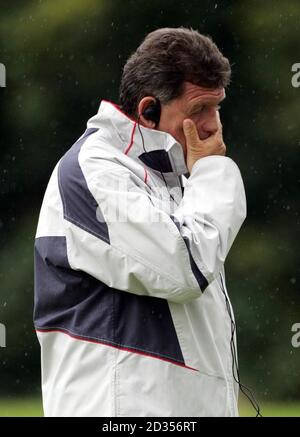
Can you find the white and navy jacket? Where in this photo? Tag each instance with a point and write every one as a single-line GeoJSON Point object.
{"type": "Point", "coordinates": [131, 308]}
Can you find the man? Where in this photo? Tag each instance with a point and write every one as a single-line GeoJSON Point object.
{"type": "Point", "coordinates": [131, 308]}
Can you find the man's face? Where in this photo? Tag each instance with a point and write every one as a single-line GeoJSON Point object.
{"type": "Point", "coordinates": [199, 104]}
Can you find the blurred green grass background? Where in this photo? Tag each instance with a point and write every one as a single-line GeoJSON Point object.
{"type": "Point", "coordinates": [32, 407]}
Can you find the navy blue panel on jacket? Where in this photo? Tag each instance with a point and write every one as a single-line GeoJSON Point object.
{"type": "Point", "coordinates": [78, 304]}
{"type": "Point", "coordinates": [158, 160]}
{"type": "Point", "coordinates": [79, 205]}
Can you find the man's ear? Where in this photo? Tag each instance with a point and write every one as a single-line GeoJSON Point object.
{"type": "Point", "coordinates": [147, 112]}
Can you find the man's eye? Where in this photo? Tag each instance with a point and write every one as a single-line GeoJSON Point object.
{"type": "Point", "coordinates": [198, 110]}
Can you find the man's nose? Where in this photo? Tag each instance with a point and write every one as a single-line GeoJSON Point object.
{"type": "Point", "coordinates": [210, 124]}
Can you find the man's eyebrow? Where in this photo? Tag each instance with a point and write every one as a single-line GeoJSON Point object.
{"type": "Point", "coordinates": [206, 101]}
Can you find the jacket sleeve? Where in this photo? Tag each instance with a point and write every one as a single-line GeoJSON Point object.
{"type": "Point", "coordinates": [211, 212]}
{"type": "Point", "coordinates": [141, 248]}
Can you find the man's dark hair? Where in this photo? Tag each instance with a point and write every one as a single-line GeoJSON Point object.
{"type": "Point", "coordinates": [166, 58]}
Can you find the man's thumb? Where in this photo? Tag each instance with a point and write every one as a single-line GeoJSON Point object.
{"type": "Point", "coordinates": [190, 132]}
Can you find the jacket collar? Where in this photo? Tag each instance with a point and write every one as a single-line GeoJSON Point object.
{"type": "Point", "coordinates": [160, 150]}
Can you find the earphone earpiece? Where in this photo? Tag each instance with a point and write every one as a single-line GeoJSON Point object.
{"type": "Point", "coordinates": [152, 112]}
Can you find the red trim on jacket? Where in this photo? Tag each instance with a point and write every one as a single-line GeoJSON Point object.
{"type": "Point", "coordinates": [90, 340]}
{"type": "Point", "coordinates": [146, 175]}
{"type": "Point", "coordinates": [131, 140]}
{"type": "Point", "coordinates": [119, 109]}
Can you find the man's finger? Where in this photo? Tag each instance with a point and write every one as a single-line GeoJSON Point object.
{"type": "Point", "coordinates": [190, 132]}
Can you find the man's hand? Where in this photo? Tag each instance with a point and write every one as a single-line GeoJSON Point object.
{"type": "Point", "coordinates": [196, 148]}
